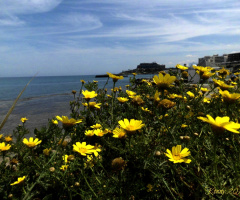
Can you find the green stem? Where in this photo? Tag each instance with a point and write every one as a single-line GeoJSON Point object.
{"type": "Point", "coordinates": [215, 159]}
{"type": "Point", "coordinates": [96, 176]}
{"type": "Point", "coordinates": [42, 174]}
{"type": "Point", "coordinates": [34, 160]}
{"type": "Point", "coordinates": [89, 185]}
{"type": "Point", "coordinates": [113, 97]}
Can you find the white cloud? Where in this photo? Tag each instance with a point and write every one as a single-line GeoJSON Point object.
{"type": "Point", "coordinates": [28, 6]}
{"type": "Point", "coordinates": [190, 56]}
{"type": "Point", "coordinates": [11, 21]}
{"type": "Point", "coordinates": [10, 9]}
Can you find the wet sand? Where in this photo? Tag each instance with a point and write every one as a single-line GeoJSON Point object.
{"type": "Point", "coordinates": [37, 111]}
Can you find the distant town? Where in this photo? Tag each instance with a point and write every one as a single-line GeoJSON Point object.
{"type": "Point", "coordinates": [230, 61]}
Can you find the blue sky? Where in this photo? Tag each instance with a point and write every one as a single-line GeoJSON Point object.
{"type": "Point", "coordinates": [81, 37]}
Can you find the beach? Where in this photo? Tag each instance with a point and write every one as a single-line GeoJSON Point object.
{"type": "Point", "coordinates": [37, 111]}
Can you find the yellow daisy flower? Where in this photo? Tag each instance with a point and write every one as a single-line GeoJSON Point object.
{"type": "Point", "coordinates": [23, 119]}
{"type": "Point", "coordinates": [206, 75]}
{"type": "Point", "coordinates": [89, 133]}
{"type": "Point", "coordinates": [219, 124]}
{"type": "Point", "coordinates": [200, 70]}
{"type": "Point", "coordinates": [167, 104]}
{"type": "Point", "coordinates": [173, 96]}
{"type": "Point", "coordinates": [156, 97]}
{"type": "Point", "coordinates": [161, 116]}
{"type": "Point", "coordinates": [130, 93]}
{"type": "Point", "coordinates": [223, 72]}
{"type": "Point", "coordinates": [204, 89]}
{"type": "Point", "coordinates": [115, 78]}
{"type": "Point", "coordinates": [115, 89]}
{"type": "Point", "coordinates": [55, 121]}
{"type": "Point", "coordinates": [89, 162]}
{"type": "Point", "coordinates": [145, 109]}
{"type": "Point", "coordinates": [99, 132]}
{"type": "Point", "coordinates": [64, 167]}
{"type": "Point", "coordinates": [47, 151]}
{"type": "Point", "coordinates": [4, 147]}
{"type": "Point", "coordinates": [96, 126]}
{"type": "Point", "coordinates": [67, 158]}
{"type": "Point", "coordinates": [222, 84]}
{"type": "Point", "coordinates": [122, 99]}
{"type": "Point", "coordinates": [181, 67]}
{"type": "Point", "coordinates": [67, 123]}
{"type": "Point", "coordinates": [228, 97]}
{"type": "Point", "coordinates": [8, 138]}
{"type": "Point", "coordinates": [89, 94]}
{"type": "Point", "coordinates": [31, 143]}
{"type": "Point", "coordinates": [206, 100]}
{"type": "Point", "coordinates": [93, 105]}
{"type": "Point", "coordinates": [178, 155]}
{"type": "Point", "coordinates": [190, 94]}
{"type": "Point", "coordinates": [184, 126]}
{"type": "Point", "coordinates": [146, 81]}
{"type": "Point", "coordinates": [131, 126]}
{"type": "Point", "coordinates": [119, 133]}
{"type": "Point", "coordinates": [164, 82]}
{"type": "Point", "coordinates": [84, 149]}
{"type": "Point", "coordinates": [19, 181]}
{"type": "Point", "coordinates": [137, 100]}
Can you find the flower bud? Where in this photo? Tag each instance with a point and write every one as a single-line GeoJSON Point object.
{"type": "Point", "coordinates": [77, 184]}
{"type": "Point", "coordinates": [184, 74]}
{"type": "Point", "coordinates": [70, 158]}
{"type": "Point", "coordinates": [187, 138]}
{"type": "Point", "coordinates": [157, 153]}
{"type": "Point", "coordinates": [74, 91]}
{"type": "Point", "coordinates": [51, 169]}
{"type": "Point", "coordinates": [118, 164]}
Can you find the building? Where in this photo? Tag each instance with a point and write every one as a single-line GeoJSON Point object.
{"type": "Point", "coordinates": [152, 65]}
{"type": "Point", "coordinates": [213, 61]}
{"type": "Point", "coordinates": [234, 57]}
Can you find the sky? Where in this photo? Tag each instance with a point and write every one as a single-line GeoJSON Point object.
{"type": "Point", "coordinates": [88, 37]}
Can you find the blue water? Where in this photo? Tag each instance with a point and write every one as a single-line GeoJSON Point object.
{"type": "Point", "coordinates": [43, 86]}
{"type": "Point", "coordinates": [51, 85]}
{"type": "Point", "coordinates": [45, 97]}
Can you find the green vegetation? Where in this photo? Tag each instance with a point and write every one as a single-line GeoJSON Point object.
{"type": "Point", "coordinates": [161, 139]}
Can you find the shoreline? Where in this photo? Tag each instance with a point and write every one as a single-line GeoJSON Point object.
{"type": "Point", "coordinates": [37, 111]}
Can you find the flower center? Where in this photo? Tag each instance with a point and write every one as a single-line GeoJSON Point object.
{"type": "Point", "coordinates": [131, 127]}
{"type": "Point", "coordinates": [82, 150]}
{"type": "Point", "coordinates": [177, 156]}
{"type": "Point", "coordinates": [31, 144]}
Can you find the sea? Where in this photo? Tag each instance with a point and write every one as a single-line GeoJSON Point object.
{"type": "Point", "coordinates": [44, 98]}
